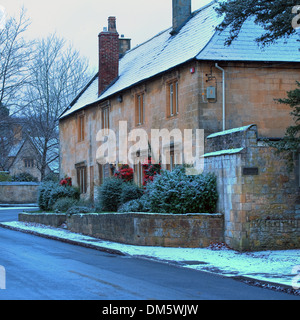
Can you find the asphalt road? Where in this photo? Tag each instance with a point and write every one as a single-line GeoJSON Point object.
{"type": "Point", "coordinates": [42, 269]}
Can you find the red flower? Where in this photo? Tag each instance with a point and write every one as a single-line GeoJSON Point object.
{"type": "Point", "coordinates": [125, 173]}
{"type": "Point", "coordinates": [150, 169]}
{"type": "Point", "coordinates": [67, 181]}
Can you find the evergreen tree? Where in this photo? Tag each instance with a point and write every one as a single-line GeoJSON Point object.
{"type": "Point", "coordinates": [275, 16]}
{"type": "Point", "coordinates": [291, 140]}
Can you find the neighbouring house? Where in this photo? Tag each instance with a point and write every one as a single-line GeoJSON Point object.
{"type": "Point", "coordinates": [25, 157]}
{"type": "Point", "coordinates": [186, 78]}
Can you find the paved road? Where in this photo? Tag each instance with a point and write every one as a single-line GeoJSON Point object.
{"type": "Point", "coordinates": [38, 268]}
{"type": "Point", "coordinates": [12, 214]}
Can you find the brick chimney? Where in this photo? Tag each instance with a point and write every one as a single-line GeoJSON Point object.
{"type": "Point", "coordinates": [182, 10]}
{"type": "Point", "coordinates": [108, 55]}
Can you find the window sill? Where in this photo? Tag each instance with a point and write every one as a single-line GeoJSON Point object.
{"type": "Point", "coordinates": [140, 125]}
{"type": "Point", "coordinates": [173, 115]}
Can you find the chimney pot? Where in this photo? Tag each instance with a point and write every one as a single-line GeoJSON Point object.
{"type": "Point", "coordinates": [124, 45]}
{"type": "Point", "coordinates": [112, 24]}
{"type": "Point", "coordinates": [182, 10]}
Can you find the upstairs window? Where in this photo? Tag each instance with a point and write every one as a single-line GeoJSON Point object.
{"type": "Point", "coordinates": [29, 163]}
{"type": "Point", "coordinates": [81, 128]}
{"type": "Point", "coordinates": [105, 118]}
{"type": "Point", "coordinates": [172, 98]}
{"type": "Point", "coordinates": [140, 109]}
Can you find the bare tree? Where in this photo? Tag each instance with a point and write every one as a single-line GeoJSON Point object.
{"type": "Point", "coordinates": [58, 74]}
{"type": "Point", "coordinates": [6, 137]}
{"type": "Point", "coordinates": [15, 55]}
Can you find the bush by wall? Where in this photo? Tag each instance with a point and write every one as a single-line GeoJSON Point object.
{"type": "Point", "coordinates": [110, 194]}
{"type": "Point", "coordinates": [63, 204]}
{"type": "Point", "coordinates": [114, 192]}
{"type": "Point", "coordinates": [50, 192]}
{"type": "Point", "coordinates": [24, 177]}
{"type": "Point", "coordinates": [130, 191]}
{"type": "Point", "coordinates": [177, 193]}
{"type": "Point", "coordinates": [4, 176]}
{"type": "Point", "coordinates": [135, 205]}
{"type": "Point", "coordinates": [78, 209]}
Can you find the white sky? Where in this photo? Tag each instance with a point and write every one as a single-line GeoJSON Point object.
{"type": "Point", "coordinates": [81, 21]}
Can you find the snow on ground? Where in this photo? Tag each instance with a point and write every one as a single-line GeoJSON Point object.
{"type": "Point", "coordinates": [281, 267]}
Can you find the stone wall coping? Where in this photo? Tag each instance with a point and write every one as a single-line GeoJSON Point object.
{"type": "Point", "coordinates": [7, 183]}
{"type": "Point", "coordinates": [230, 131]}
{"type": "Point", "coordinates": [43, 213]}
{"type": "Point", "coordinates": [150, 214]}
{"type": "Point", "coordinates": [130, 213]}
{"type": "Point", "coordinates": [223, 152]}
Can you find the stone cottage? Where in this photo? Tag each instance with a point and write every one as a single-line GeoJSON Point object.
{"type": "Point", "coordinates": [25, 157]}
{"type": "Point", "coordinates": [186, 78]}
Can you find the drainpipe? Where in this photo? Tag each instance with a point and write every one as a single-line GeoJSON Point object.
{"type": "Point", "coordinates": [223, 72]}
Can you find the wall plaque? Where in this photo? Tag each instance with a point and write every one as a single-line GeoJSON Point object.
{"type": "Point", "coordinates": [250, 171]}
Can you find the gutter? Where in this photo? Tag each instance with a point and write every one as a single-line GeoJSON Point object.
{"type": "Point", "coordinates": [224, 96]}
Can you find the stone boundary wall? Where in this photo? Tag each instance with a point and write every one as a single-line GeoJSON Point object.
{"type": "Point", "coordinates": [257, 193]}
{"type": "Point", "coordinates": [51, 219]}
{"type": "Point", "coordinates": [18, 192]}
{"type": "Point", "coordinates": [190, 231]}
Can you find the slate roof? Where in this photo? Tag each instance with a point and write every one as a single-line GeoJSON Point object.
{"type": "Point", "coordinates": [197, 39]}
{"type": "Point", "coordinates": [15, 149]}
{"type": "Point", "coordinates": [244, 48]}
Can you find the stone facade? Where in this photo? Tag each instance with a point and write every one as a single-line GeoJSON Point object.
{"type": "Point", "coordinates": [248, 86]}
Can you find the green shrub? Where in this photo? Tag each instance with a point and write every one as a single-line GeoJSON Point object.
{"type": "Point", "coordinates": [4, 176]}
{"type": "Point", "coordinates": [50, 192]}
{"type": "Point", "coordinates": [78, 210]}
{"type": "Point", "coordinates": [130, 191]}
{"type": "Point", "coordinates": [63, 204]}
{"type": "Point", "coordinates": [114, 192]}
{"type": "Point", "coordinates": [44, 194]}
{"type": "Point", "coordinates": [136, 205]}
{"type": "Point", "coordinates": [51, 177]}
{"type": "Point", "coordinates": [62, 192]}
{"type": "Point", "coordinates": [178, 193]}
{"type": "Point", "coordinates": [24, 177]}
{"type": "Point", "coordinates": [110, 194]}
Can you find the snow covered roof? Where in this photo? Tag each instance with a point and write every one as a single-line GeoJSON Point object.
{"type": "Point", "coordinates": [245, 48]}
{"type": "Point", "coordinates": [16, 148]}
{"type": "Point", "coordinates": [197, 39]}
{"type": "Point", "coordinates": [87, 97]}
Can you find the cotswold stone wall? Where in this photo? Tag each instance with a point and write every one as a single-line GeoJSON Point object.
{"type": "Point", "coordinates": [18, 192]}
{"type": "Point", "coordinates": [190, 231]}
{"type": "Point", "coordinates": [51, 219]}
{"type": "Point", "coordinates": [166, 230]}
{"type": "Point", "coordinates": [258, 194]}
